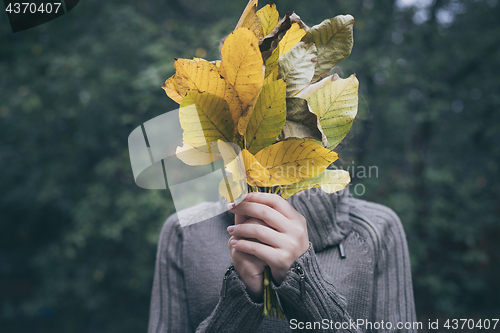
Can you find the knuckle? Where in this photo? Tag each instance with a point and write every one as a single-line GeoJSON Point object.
{"type": "Point", "coordinates": [294, 244]}
{"type": "Point", "coordinates": [296, 229]}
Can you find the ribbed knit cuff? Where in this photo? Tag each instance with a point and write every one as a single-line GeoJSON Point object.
{"type": "Point", "coordinates": [235, 312]}
{"type": "Point", "coordinates": [320, 299]}
{"type": "Point", "coordinates": [290, 288]}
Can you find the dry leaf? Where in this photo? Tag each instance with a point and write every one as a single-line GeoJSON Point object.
{"type": "Point", "coordinates": [301, 122]}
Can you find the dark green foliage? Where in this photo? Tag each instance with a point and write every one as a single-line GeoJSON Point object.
{"type": "Point", "coordinates": [78, 237]}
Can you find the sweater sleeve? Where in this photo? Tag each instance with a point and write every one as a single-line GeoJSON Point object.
{"type": "Point", "coordinates": [318, 303]}
{"type": "Point", "coordinates": [393, 296]}
{"type": "Point", "coordinates": [169, 311]}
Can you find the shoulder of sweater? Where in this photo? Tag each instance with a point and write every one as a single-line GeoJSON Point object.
{"type": "Point", "coordinates": [382, 218]}
{"type": "Point", "coordinates": [379, 214]}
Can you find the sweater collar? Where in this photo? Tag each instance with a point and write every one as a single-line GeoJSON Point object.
{"type": "Point", "coordinates": [327, 216]}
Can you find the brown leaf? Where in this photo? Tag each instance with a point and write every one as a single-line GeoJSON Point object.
{"type": "Point", "coordinates": [294, 18]}
{"type": "Point", "coordinates": [301, 122]}
{"type": "Point", "coordinates": [271, 41]}
{"type": "Point", "coordinates": [297, 30]}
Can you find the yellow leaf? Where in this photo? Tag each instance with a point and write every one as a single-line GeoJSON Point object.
{"type": "Point", "coordinates": [336, 105]}
{"type": "Point", "coordinates": [205, 118]}
{"type": "Point", "coordinates": [337, 180]}
{"type": "Point", "coordinates": [250, 20]}
{"type": "Point", "coordinates": [200, 75]}
{"type": "Point", "coordinates": [268, 117]}
{"type": "Point", "coordinates": [241, 66]}
{"type": "Point", "coordinates": [269, 17]}
{"type": "Point", "coordinates": [288, 162]}
{"type": "Point", "coordinates": [172, 90]}
{"type": "Point", "coordinates": [233, 160]}
{"type": "Point", "coordinates": [256, 174]}
{"type": "Point", "coordinates": [231, 189]}
{"type": "Point", "coordinates": [291, 38]}
{"type": "Point", "coordinates": [192, 156]}
{"type": "Point", "coordinates": [330, 181]}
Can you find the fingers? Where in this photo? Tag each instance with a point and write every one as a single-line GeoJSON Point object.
{"type": "Point", "coordinates": [255, 229]}
{"type": "Point", "coordinates": [274, 201]}
{"type": "Point", "coordinates": [239, 219]}
{"type": "Point", "coordinates": [263, 252]}
{"type": "Point", "coordinates": [239, 256]}
{"type": "Point", "coordinates": [270, 216]}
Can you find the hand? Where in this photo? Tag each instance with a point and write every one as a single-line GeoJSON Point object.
{"type": "Point", "coordinates": [249, 267]}
{"type": "Point", "coordinates": [279, 242]}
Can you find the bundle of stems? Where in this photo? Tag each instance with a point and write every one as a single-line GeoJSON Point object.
{"type": "Point", "coordinates": [270, 299]}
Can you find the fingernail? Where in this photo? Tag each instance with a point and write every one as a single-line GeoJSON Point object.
{"type": "Point", "coordinates": [247, 196]}
{"type": "Point", "coordinates": [234, 241]}
{"type": "Point", "coordinates": [230, 229]}
{"type": "Point", "coordinates": [230, 205]}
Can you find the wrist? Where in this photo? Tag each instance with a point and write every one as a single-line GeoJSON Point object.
{"type": "Point", "coordinates": [255, 288]}
{"type": "Point", "coordinates": [253, 283]}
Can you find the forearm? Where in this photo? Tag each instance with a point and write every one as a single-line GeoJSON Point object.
{"type": "Point", "coordinates": [235, 312]}
{"type": "Point", "coordinates": [309, 297]}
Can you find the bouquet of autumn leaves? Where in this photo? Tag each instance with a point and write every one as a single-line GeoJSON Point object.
{"type": "Point", "coordinates": [268, 108]}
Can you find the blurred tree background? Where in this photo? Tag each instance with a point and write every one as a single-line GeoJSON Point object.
{"type": "Point", "coordinates": [78, 237]}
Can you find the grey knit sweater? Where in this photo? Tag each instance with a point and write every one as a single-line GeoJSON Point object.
{"type": "Point", "coordinates": [357, 274]}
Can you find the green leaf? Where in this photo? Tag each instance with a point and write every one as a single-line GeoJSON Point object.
{"type": "Point", "coordinates": [336, 105]}
{"type": "Point", "coordinates": [330, 181]}
{"type": "Point", "coordinates": [301, 122]}
{"type": "Point", "coordinates": [268, 117]}
{"type": "Point", "coordinates": [333, 39]}
{"type": "Point", "coordinates": [296, 67]}
{"type": "Point", "coordinates": [271, 66]}
{"type": "Point", "coordinates": [205, 118]}
{"type": "Point", "coordinates": [312, 87]}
